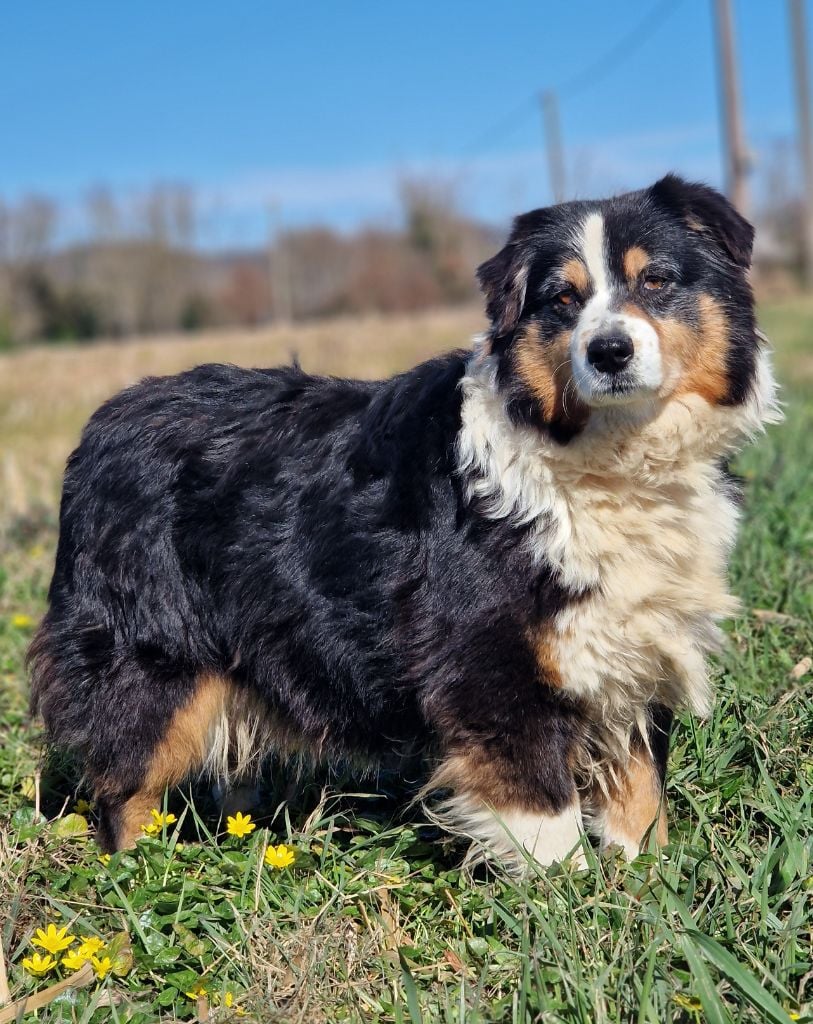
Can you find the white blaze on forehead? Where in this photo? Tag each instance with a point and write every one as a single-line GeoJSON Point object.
{"type": "Point", "coordinates": [598, 316]}
{"type": "Point", "coordinates": [597, 309]}
{"type": "Point", "coordinates": [593, 252]}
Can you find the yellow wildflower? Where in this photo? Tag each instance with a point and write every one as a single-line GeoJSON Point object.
{"type": "Point", "coordinates": [104, 858]}
{"type": "Point", "coordinates": [197, 992]}
{"type": "Point", "coordinates": [21, 621]}
{"type": "Point", "coordinates": [73, 960]}
{"type": "Point", "coordinates": [53, 939]}
{"type": "Point", "coordinates": [82, 807]}
{"type": "Point", "coordinates": [280, 856]}
{"type": "Point", "coordinates": [39, 964]}
{"type": "Point", "coordinates": [228, 1002]}
{"type": "Point", "coordinates": [101, 965]}
{"type": "Point", "coordinates": [158, 822]}
{"type": "Point", "coordinates": [90, 947]}
{"type": "Point", "coordinates": [240, 825]}
{"type": "Point", "coordinates": [160, 819]}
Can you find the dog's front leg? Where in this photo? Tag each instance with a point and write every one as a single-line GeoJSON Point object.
{"type": "Point", "coordinates": [633, 805]}
{"type": "Point", "coordinates": [511, 789]}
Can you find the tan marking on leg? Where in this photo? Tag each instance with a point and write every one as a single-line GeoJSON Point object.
{"type": "Point", "coordinates": [476, 771]}
{"type": "Point", "coordinates": [494, 808]}
{"type": "Point", "coordinates": [180, 753]}
{"type": "Point", "coordinates": [636, 261]}
{"type": "Point", "coordinates": [223, 730]}
{"type": "Point", "coordinates": [634, 806]}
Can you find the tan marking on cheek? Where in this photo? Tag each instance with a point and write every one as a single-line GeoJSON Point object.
{"type": "Point", "coordinates": [576, 273]}
{"type": "Point", "coordinates": [545, 368]}
{"type": "Point", "coordinates": [537, 373]}
{"type": "Point", "coordinates": [185, 743]}
{"type": "Point", "coordinates": [637, 803]}
{"type": "Point", "coordinates": [680, 346]}
{"type": "Point", "coordinates": [636, 261]}
{"type": "Point", "coordinates": [697, 355]}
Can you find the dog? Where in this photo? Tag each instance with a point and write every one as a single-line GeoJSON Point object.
{"type": "Point", "coordinates": [512, 558]}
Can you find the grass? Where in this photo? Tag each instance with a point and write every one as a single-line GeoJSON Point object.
{"type": "Point", "coordinates": [375, 922]}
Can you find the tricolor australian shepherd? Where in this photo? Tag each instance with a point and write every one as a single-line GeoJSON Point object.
{"type": "Point", "coordinates": [511, 558]}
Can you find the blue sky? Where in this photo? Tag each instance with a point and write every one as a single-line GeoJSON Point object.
{"type": "Point", "coordinates": [322, 108]}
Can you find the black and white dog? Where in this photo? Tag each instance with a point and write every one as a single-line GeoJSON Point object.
{"type": "Point", "coordinates": [512, 557]}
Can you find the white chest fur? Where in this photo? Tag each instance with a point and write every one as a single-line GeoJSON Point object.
{"type": "Point", "coordinates": [653, 560]}
{"type": "Point", "coordinates": [635, 514]}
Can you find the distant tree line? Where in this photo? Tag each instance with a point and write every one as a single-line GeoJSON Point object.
{"type": "Point", "coordinates": [137, 268]}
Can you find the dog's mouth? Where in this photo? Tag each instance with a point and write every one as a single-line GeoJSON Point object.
{"type": "Point", "coordinates": [601, 389]}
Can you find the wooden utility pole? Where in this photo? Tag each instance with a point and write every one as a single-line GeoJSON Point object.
{"type": "Point", "coordinates": [736, 154]}
{"type": "Point", "coordinates": [798, 32]}
{"type": "Point", "coordinates": [553, 144]}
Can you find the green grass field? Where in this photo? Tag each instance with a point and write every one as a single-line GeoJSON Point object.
{"type": "Point", "coordinates": [374, 921]}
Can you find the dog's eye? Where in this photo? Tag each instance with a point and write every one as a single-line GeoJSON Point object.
{"type": "Point", "coordinates": [653, 283]}
{"type": "Point", "coordinates": [566, 297]}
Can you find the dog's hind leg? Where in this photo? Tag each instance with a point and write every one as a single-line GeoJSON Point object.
{"type": "Point", "coordinates": [187, 743]}
{"type": "Point", "coordinates": [138, 718]}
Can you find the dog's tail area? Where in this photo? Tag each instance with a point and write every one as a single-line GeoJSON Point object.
{"type": "Point", "coordinates": [39, 666]}
{"type": "Point", "coordinates": [63, 661]}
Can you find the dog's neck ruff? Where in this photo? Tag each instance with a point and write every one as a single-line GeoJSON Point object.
{"type": "Point", "coordinates": [633, 514]}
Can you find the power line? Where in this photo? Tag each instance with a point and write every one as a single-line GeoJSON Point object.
{"type": "Point", "coordinates": [503, 127]}
{"type": "Point", "coordinates": [621, 51]}
{"type": "Point", "coordinates": [612, 59]}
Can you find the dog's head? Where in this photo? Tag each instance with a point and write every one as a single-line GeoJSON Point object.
{"type": "Point", "coordinates": [631, 301]}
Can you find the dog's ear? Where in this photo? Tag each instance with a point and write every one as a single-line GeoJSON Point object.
{"type": "Point", "coordinates": [503, 279]}
{"type": "Point", "coordinates": [707, 212]}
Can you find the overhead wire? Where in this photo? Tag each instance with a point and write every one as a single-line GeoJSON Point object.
{"type": "Point", "coordinates": [614, 57]}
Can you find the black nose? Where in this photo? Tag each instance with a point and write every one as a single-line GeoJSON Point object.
{"type": "Point", "coordinates": [610, 353]}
